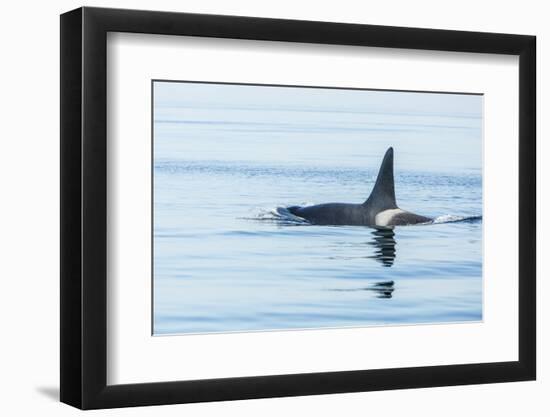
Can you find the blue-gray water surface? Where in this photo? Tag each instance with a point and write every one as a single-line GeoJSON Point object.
{"type": "Point", "coordinates": [228, 257]}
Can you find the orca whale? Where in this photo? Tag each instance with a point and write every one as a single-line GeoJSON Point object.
{"type": "Point", "coordinates": [380, 209]}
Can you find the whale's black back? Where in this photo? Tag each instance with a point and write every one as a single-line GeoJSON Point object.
{"type": "Point", "coordinates": [382, 198]}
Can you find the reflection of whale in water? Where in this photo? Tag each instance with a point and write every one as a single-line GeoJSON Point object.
{"type": "Point", "coordinates": [381, 289]}
{"type": "Point", "coordinates": [384, 243]}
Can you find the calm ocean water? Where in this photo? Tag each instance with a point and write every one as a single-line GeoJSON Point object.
{"type": "Point", "coordinates": [228, 159]}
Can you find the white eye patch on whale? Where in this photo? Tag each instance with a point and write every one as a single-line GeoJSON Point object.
{"type": "Point", "coordinates": [380, 209]}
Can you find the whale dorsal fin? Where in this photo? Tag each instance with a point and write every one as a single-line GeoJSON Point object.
{"type": "Point", "coordinates": [382, 196]}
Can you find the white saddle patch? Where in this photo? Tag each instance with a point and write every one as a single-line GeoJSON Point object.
{"type": "Point", "coordinates": [385, 217]}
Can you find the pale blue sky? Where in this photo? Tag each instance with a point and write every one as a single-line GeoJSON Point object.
{"type": "Point", "coordinates": [239, 96]}
{"type": "Point", "coordinates": [319, 126]}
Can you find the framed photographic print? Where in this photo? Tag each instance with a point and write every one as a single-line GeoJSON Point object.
{"type": "Point", "coordinates": [257, 207]}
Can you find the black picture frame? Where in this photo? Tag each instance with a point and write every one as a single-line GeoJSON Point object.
{"type": "Point", "coordinates": [84, 207]}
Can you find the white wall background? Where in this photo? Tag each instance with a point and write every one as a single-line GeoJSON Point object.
{"type": "Point", "coordinates": [29, 175]}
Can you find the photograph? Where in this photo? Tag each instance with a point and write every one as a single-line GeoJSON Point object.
{"type": "Point", "coordinates": [281, 207]}
{"type": "Point", "coordinates": [309, 210]}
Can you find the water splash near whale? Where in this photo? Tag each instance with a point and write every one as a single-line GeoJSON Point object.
{"type": "Point", "coordinates": [451, 218]}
